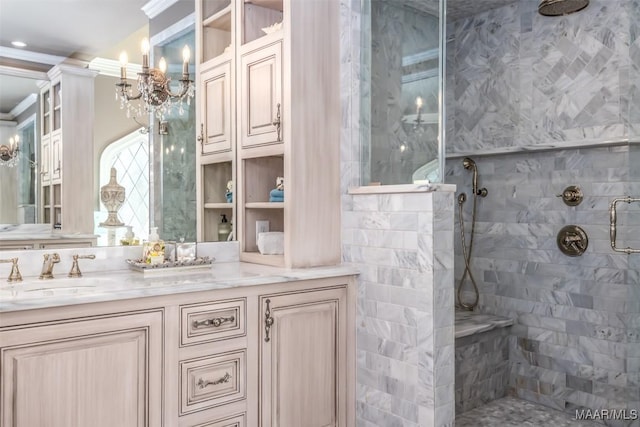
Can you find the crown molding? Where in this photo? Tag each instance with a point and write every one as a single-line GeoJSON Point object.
{"type": "Point", "coordinates": [29, 56]}
{"type": "Point", "coordinates": [111, 67]}
{"type": "Point", "coordinates": [156, 7]}
{"type": "Point", "coordinates": [21, 72]}
{"type": "Point", "coordinates": [6, 120]}
{"type": "Point", "coordinates": [24, 104]}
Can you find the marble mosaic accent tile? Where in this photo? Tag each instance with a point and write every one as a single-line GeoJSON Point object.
{"type": "Point", "coordinates": [512, 412]}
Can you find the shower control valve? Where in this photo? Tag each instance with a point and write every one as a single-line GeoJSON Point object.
{"type": "Point", "coordinates": [572, 195]}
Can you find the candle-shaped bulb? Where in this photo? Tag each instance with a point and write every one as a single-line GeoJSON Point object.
{"type": "Point", "coordinates": [11, 143]}
{"type": "Point", "coordinates": [162, 65]}
{"type": "Point", "coordinates": [123, 65]}
{"type": "Point", "coordinates": [419, 102]}
{"type": "Point", "coordinates": [145, 46]}
{"type": "Point", "coordinates": [186, 54]}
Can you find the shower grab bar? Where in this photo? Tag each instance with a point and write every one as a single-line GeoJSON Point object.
{"type": "Point", "coordinates": [613, 219]}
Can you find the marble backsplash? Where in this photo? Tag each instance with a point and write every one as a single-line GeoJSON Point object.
{"type": "Point", "coordinates": [107, 259]}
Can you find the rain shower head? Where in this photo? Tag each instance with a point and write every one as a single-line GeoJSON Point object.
{"type": "Point", "coordinates": [561, 7]}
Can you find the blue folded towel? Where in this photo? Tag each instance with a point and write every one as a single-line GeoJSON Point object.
{"type": "Point", "coordinates": [277, 193]}
{"type": "Point", "coordinates": [276, 199]}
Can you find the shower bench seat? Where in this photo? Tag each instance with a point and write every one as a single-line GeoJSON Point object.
{"type": "Point", "coordinates": [481, 357]}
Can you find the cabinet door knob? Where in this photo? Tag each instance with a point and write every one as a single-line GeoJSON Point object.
{"type": "Point", "coordinates": [268, 322]}
{"type": "Point", "coordinates": [277, 122]}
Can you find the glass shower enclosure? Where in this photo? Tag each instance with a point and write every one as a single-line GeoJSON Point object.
{"type": "Point", "coordinates": [402, 70]}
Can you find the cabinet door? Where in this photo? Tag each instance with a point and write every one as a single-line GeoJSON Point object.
{"type": "Point", "coordinates": [303, 359]}
{"type": "Point", "coordinates": [216, 109]}
{"type": "Point", "coordinates": [261, 96]}
{"type": "Point", "coordinates": [56, 156]}
{"type": "Point", "coordinates": [101, 373]}
{"type": "Point", "coordinates": [45, 160]}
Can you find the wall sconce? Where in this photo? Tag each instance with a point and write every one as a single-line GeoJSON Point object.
{"type": "Point", "coordinates": [163, 127]}
{"type": "Point", "coordinates": [9, 153]}
{"type": "Point", "coordinates": [153, 86]}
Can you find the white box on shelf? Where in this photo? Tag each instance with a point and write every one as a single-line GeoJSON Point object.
{"type": "Point", "coordinates": [262, 226]}
{"type": "Point", "coordinates": [271, 243]}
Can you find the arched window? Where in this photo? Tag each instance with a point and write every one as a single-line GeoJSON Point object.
{"type": "Point", "coordinates": [130, 156]}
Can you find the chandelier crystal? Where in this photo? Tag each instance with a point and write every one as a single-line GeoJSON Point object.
{"type": "Point", "coordinates": [153, 86]}
{"type": "Point", "coordinates": [9, 153]}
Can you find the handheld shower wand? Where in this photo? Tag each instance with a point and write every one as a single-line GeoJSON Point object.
{"type": "Point", "coordinates": [469, 164]}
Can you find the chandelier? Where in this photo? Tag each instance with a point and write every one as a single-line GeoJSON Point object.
{"type": "Point", "coordinates": [9, 153]}
{"type": "Point", "coordinates": [154, 92]}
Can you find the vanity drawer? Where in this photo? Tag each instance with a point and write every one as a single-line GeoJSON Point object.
{"type": "Point", "coordinates": [212, 381]}
{"type": "Point", "coordinates": [213, 321]}
{"type": "Point", "coordinates": [235, 421]}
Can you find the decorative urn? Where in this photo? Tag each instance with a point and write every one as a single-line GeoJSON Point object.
{"type": "Point", "coordinates": [112, 197]}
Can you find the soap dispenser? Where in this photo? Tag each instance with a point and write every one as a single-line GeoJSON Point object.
{"type": "Point", "coordinates": [154, 248]}
{"type": "Point", "coordinates": [224, 228]}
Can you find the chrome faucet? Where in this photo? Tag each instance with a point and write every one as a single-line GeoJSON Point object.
{"type": "Point", "coordinates": [47, 265]}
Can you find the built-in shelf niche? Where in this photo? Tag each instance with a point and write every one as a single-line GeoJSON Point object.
{"type": "Point", "coordinates": [217, 28]}
{"type": "Point", "coordinates": [214, 187]}
{"type": "Point", "coordinates": [259, 14]}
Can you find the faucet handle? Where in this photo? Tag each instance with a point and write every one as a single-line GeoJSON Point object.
{"type": "Point", "coordinates": [75, 267]}
{"type": "Point", "coordinates": [15, 275]}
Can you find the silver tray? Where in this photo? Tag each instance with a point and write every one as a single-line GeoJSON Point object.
{"type": "Point", "coordinates": [170, 266]}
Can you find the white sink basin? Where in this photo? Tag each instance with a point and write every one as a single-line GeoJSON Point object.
{"type": "Point", "coordinates": [56, 287]}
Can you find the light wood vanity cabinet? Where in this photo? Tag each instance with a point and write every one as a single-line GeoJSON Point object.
{"type": "Point", "coordinates": [101, 372]}
{"type": "Point", "coordinates": [303, 359]}
{"type": "Point", "coordinates": [187, 360]}
{"type": "Point", "coordinates": [285, 122]}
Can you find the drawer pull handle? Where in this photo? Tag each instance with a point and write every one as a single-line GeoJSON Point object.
{"type": "Point", "coordinates": [203, 383]}
{"type": "Point", "coordinates": [216, 321]}
{"type": "Point", "coordinates": [268, 321]}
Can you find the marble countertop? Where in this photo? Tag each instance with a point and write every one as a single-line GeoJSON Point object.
{"type": "Point", "coordinates": [126, 284]}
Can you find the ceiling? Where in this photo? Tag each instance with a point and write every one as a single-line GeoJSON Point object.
{"type": "Point", "coordinates": [79, 29]}
{"type": "Point", "coordinates": [85, 29]}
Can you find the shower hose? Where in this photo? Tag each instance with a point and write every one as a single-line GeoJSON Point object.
{"type": "Point", "coordinates": [467, 253]}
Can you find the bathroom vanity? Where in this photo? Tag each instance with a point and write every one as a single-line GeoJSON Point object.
{"type": "Point", "coordinates": [234, 345]}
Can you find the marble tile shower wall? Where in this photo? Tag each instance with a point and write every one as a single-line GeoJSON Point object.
{"type": "Point", "coordinates": [402, 245]}
{"type": "Point", "coordinates": [576, 340]}
{"type": "Point", "coordinates": [519, 78]}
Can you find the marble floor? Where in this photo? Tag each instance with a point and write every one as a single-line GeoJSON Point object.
{"type": "Point", "coordinates": [513, 412]}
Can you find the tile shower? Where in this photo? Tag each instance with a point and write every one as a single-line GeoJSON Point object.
{"type": "Point", "coordinates": [540, 103]}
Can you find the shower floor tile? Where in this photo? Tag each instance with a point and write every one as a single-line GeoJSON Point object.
{"type": "Point", "coordinates": [513, 412]}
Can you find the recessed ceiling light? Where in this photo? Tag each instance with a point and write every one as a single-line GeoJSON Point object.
{"type": "Point", "coordinates": [17, 43]}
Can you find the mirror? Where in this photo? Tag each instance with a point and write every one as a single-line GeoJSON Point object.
{"type": "Point", "coordinates": [155, 160]}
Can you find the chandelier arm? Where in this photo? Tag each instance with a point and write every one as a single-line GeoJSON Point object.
{"type": "Point", "coordinates": [123, 85]}
{"type": "Point", "coordinates": [186, 84]}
